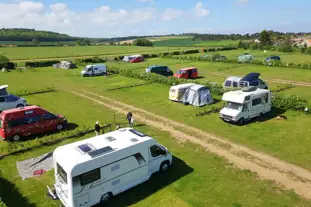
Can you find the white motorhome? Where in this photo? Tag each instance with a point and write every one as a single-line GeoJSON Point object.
{"type": "Point", "coordinates": [90, 171]}
{"type": "Point", "coordinates": [245, 104]}
{"type": "Point", "coordinates": [94, 70]}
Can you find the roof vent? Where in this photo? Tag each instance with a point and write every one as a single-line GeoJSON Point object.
{"type": "Point", "coordinates": [110, 139]}
{"type": "Point", "coordinates": [134, 140]}
{"type": "Point", "coordinates": [85, 148]}
{"type": "Point", "coordinates": [249, 89]}
{"type": "Point", "coordinates": [101, 151]}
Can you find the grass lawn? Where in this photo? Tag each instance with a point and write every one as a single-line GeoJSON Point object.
{"type": "Point", "coordinates": [292, 57]}
{"type": "Point", "coordinates": [181, 42]}
{"type": "Point", "coordinates": [188, 183]}
{"type": "Point", "coordinates": [22, 53]}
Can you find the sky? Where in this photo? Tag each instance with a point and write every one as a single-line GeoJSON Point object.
{"type": "Point", "coordinates": [118, 18]}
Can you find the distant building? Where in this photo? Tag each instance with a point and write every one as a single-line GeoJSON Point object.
{"type": "Point", "coordinates": [257, 40]}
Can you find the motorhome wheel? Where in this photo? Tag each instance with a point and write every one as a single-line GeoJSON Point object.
{"type": "Point", "coordinates": [16, 137]}
{"type": "Point", "coordinates": [59, 127]}
{"type": "Point", "coordinates": [241, 121]}
{"type": "Point", "coordinates": [106, 197]}
{"type": "Point", "coordinates": [19, 106]}
{"type": "Point", "coordinates": [164, 166]}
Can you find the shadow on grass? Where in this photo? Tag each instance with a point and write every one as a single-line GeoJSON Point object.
{"type": "Point", "coordinates": [157, 182]}
{"type": "Point", "coordinates": [69, 127]}
{"type": "Point", "coordinates": [11, 196]}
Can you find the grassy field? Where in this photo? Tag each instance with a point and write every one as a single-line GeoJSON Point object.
{"type": "Point", "coordinates": [292, 57]}
{"type": "Point", "coordinates": [30, 43]}
{"type": "Point", "coordinates": [188, 183]}
{"type": "Point", "coordinates": [22, 53]}
{"type": "Point", "coordinates": [181, 42]}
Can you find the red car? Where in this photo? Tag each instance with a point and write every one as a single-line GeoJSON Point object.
{"type": "Point", "coordinates": [187, 73]}
{"type": "Point", "coordinates": [30, 120]}
{"type": "Point", "coordinates": [137, 59]}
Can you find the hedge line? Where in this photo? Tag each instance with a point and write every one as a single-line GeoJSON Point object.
{"type": "Point", "coordinates": [37, 91]}
{"type": "Point", "coordinates": [2, 204]}
{"type": "Point", "coordinates": [278, 100]}
{"type": "Point", "coordinates": [255, 62]}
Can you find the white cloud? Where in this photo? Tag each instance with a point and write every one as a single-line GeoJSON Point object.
{"type": "Point", "coordinates": [31, 7]}
{"type": "Point", "coordinates": [200, 11]}
{"type": "Point", "coordinates": [143, 1]}
{"type": "Point", "coordinates": [242, 1]}
{"type": "Point", "coordinates": [170, 14]}
{"type": "Point", "coordinates": [59, 7]}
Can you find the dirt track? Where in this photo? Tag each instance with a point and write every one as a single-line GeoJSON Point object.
{"type": "Point", "coordinates": [287, 175]}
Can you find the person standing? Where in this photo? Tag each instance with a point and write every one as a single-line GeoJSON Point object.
{"type": "Point", "coordinates": [132, 121]}
{"type": "Point", "coordinates": [97, 128]}
{"type": "Point", "coordinates": [129, 118]}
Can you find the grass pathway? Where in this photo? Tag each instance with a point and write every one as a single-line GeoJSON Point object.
{"type": "Point", "coordinates": [287, 175]}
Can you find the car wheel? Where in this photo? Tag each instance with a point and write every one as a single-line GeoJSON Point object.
{"type": "Point", "coordinates": [106, 197]}
{"type": "Point", "coordinates": [241, 121]}
{"type": "Point", "coordinates": [19, 106]}
{"type": "Point", "coordinates": [164, 166]}
{"type": "Point", "coordinates": [16, 138]}
{"type": "Point", "coordinates": [59, 127]}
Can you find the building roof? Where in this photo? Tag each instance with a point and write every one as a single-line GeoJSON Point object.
{"type": "Point", "coordinates": [9, 111]}
{"type": "Point", "coordinates": [239, 95]}
{"type": "Point", "coordinates": [111, 142]}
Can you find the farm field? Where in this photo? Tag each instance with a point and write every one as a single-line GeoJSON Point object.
{"type": "Point", "coordinates": [291, 57]}
{"type": "Point", "coordinates": [186, 184]}
{"type": "Point", "coordinates": [30, 43]}
{"type": "Point", "coordinates": [24, 53]}
{"type": "Point", "coordinates": [180, 42]}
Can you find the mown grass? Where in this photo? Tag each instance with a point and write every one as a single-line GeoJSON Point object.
{"type": "Point", "coordinates": [22, 53]}
{"type": "Point", "coordinates": [187, 183]}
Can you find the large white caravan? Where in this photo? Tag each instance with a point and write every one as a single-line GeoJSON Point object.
{"type": "Point", "coordinates": [243, 105]}
{"type": "Point", "coordinates": [92, 170]}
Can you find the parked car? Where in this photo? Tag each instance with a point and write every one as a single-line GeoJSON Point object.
{"type": "Point", "coordinates": [187, 73]}
{"type": "Point", "coordinates": [94, 70]}
{"type": "Point", "coordinates": [159, 69]}
{"type": "Point", "coordinates": [128, 58]}
{"type": "Point", "coordinates": [137, 59]}
{"type": "Point", "coordinates": [270, 59]}
{"type": "Point", "coordinates": [9, 101]}
{"type": "Point", "coordinates": [246, 104]}
{"type": "Point", "coordinates": [29, 120]}
{"type": "Point", "coordinates": [93, 170]}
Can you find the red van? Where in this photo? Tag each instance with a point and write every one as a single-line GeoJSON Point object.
{"type": "Point", "coordinates": [29, 120]}
{"type": "Point", "coordinates": [187, 73]}
{"type": "Point", "coordinates": [137, 59]}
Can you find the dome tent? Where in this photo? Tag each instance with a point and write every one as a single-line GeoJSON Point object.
{"type": "Point", "coordinates": [197, 95]}
{"type": "Point", "coordinates": [245, 58]}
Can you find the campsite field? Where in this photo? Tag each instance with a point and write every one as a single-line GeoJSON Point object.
{"type": "Point", "coordinates": [291, 57]}
{"type": "Point", "coordinates": [181, 42]}
{"type": "Point", "coordinates": [188, 183]}
{"type": "Point", "coordinates": [24, 53]}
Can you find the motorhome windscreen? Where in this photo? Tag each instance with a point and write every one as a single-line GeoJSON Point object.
{"type": "Point", "coordinates": [234, 106]}
{"type": "Point", "coordinates": [228, 83]}
{"type": "Point", "coordinates": [61, 172]}
{"type": "Point", "coordinates": [137, 133]}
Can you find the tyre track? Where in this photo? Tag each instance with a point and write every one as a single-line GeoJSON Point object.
{"type": "Point", "coordinates": [287, 175]}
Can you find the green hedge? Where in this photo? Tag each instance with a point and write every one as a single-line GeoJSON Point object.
{"type": "Point", "coordinates": [2, 204]}
{"type": "Point", "coordinates": [255, 62]}
{"type": "Point", "coordinates": [93, 60]}
{"type": "Point", "coordinates": [284, 101]}
{"type": "Point", "coordinates": [41, 63]}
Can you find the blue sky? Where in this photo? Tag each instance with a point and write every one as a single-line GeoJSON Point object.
{"type": "Point", "coordinates": [110, 18]}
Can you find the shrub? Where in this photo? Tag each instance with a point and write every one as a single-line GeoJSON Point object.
{"type": "Point", "coordinates": [215, 56]}
{"type": "Point", "coordinates": [3, 61]}
{"type": "Point", "coordinates": [308, 50]}
{"type": "Point", "coordinates": [143, 42]}
{"type": "Point", "coordinates": [2, 204]}
{"type": "Point", "coordinates": [175, 53]}
{"type": "Point", "coordinates": [93, 60]}
{"type": "Point", "coordinates": [41, 63]}
{"type": "Point", "coordinates": [286, 102]}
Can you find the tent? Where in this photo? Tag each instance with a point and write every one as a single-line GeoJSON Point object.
{"type": "Point", "coordinates": [197, 95]}
{"type": "Point", "coordinates": [65, 65]}
{"type": "Point", "coordinates": [246, 58]}
{"type": "Point", "coordinates": [130, 57]}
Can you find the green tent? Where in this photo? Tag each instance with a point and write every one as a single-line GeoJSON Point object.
{"type": "Point", "coordinates": [245, 58]}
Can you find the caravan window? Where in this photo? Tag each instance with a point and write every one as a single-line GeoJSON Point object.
{"type": "Point", "coordinates": [256, 101]}
{"type": "Point", "coordinates": [89, 177]}
{"type": "Point", "coordinates": [156, 151]}
{"type": "Point", "coordinates": [61, 172]}
{"type": "Point", "coordinates": [2, 99]}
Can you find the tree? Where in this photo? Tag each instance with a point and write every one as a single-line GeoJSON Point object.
{"type": "Point", "coordinates": [78, 42]}
{"type": "Point", "coordinates": [265, 38]}
{"type": "Point", "coordinates": [35, 42]}
{"type": "Point", "coordinates": [4, 61]}
{"type": "Point", "coordinates": [303, 47]}
{"type": "Point", "coordinates": [143, 42]}
{"type": "Point", "coordinates": [308, 51]}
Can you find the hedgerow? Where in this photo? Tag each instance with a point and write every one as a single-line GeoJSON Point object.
{"type": "Point", "coordinates": [284, 101]}
{"type": "Point", "coordinates": [35, 64]}
{"type": "Point", "coordinates": [2, 204]}
{"type": "Point", "coordinates": [37, 91]}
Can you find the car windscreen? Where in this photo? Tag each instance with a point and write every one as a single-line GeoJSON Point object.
{"type": "Point", "coordinates": [61, 172]}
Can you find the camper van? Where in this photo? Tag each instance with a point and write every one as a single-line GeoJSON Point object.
{"type": "Point", "coordinates": [187, 73]}
{"type": "Point", "coordinates": [93, 170]}
{"type": "Point", "coordinates": [243, 105]}
{"type": "Point", "coordinates": [176, 92]}
{"type": "Point", "coordinates": [159, 69]}
{"type": "Point", "coordinates": [94, 70]}
{"type": "Point", "coordinates": [9, 101]}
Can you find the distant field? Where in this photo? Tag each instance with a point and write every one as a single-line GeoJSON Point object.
{"type": "Point", "coordinates": [22, 53]}
{"type": "Point", "coordinates": [294, 57]}
{"type": "Point", "coordinates": [30, 43]}
{"type": "Point", "coordinates": [188, 42]}
{"type": "Point", "coordinates": [156, 39]}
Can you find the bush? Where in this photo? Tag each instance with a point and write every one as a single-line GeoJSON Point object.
{"type": "Point", "coordinates": [175, 53]}
{"type": "Point", "coordinates": [215, 56]}
{"type": "Point", "coordinates": [2, 204]}
{"type": "Point", "coordinates": [285, 48]}
{"type": "Point", "coordinates": [143, 42]}
{"type": "Point", "coordinates": [93, 60]}
{"type": "Point", "coordinates": [286, 102]}
{"type": "Point", "coordinates": [3, 61]}
{"type": "Point", "coordinates": [41, 63]}
{"type": "Point", "coordinates": [308, 51]}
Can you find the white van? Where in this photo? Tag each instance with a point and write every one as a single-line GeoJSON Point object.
{"type": "Point", "coordinates": [243, 105]}
{"type": "Point", "coordinates": [177, 91]}
{"type": "Point", "coordinates": [91, 171]}
{"type": "Point", "coordinates": [94, 70]}
{"type": "Point", "coordinates": [9, 101]}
